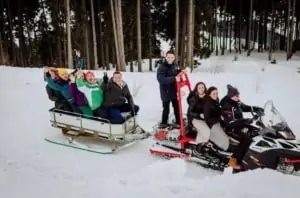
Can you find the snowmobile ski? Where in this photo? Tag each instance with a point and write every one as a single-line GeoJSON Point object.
{"type": "Point", "coordinates": [209, 162]}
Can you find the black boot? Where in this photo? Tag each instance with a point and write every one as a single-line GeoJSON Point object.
{"type": "Point", "coordinates": [201, 150]}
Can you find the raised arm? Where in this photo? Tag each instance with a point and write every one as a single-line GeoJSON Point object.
{"type": "Point", "coordinates": [52, 84]}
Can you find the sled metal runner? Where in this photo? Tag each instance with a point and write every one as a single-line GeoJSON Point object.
{"type": "Point", "coordinates": [94, 134]}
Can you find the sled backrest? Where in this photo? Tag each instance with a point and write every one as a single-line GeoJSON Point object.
{"type": "Point", "coordinates": [184, 81]}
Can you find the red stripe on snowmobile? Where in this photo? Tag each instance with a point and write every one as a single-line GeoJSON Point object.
{"type": "Point", "coordinates": [293, 161]}
{"type": "Point", "coordinates": [169, 154]}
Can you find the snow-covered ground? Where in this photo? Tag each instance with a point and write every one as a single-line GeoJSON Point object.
{"type": "Point", "coordinates": [32, 168]}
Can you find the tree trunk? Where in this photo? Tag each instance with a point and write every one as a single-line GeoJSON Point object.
{"type": "Point", "coordinates": [131, 51]}
{"type": "Point", "coordinates": [70, 58]}
{"type": "Point", "coordinates": [10, 25]}
{"type": "Point", "coordinates": [193, 37]}
{"type": "Point", "coordinates": [139, 36]}
{"type": "Point", "coordinates": [21, 36]}
{"type": "Point", "coordinates": [272, 31]}
{"type": "Point", "coordinates": [102, 60]}
{"type": "Point", "coordinates": [190, 33]}
{"type": "Point", "coordinates": [150, 35]}
{"type": "Point", "coordinates": [223, 32]}
{"type": "Point", "coordinates": [250, 28]}
{"type": "Point", "coordinates": [292, 25]}
{"type": "Point", "coordinates": [106, 54]}
{"type": "Point", "coordinates": [216, 27]}
{"type": "Point", "coordinates": [183, 47]}
{"type": "Point", "coordinates": [230, 33]}
{"type": "Point", "coordinates": [116, 38]}
{"type": "Point", "coordinates": [288, 29]}
{"type": "Point", "coordinates": [86, 35]}
{"type": "Point", "coordinates": [94, 36]}
{"type": "Point", "coordinates": [1, 51]}
{"type": "Point", "coordinates": [120, 35]}
{"type": "Point", "coordinates": [177, 30]}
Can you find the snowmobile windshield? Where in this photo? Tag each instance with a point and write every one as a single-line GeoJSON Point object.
{"type": "Point", "coordinates": [281, 126]}
{"type": "Point", "coordinates": [272, 117]}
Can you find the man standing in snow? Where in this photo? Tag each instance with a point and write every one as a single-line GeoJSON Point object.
{"type": "Point", "coordinates": [167, 77]}
{"type": "Point", "coordinates": [79, 61]}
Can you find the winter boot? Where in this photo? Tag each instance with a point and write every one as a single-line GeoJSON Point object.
{"type": "Point", "coordinates": [234, 163]}
{"type": "Point", "coordinates": [201, 149]}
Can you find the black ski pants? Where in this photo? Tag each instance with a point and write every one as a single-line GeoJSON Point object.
{"type": "Point", "coordinates": [243, 147]}
{"type": "Point", "coordinates": [166, 111]}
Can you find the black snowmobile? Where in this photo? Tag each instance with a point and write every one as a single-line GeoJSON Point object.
{"type": "Point", "coordinates": [274, 145]}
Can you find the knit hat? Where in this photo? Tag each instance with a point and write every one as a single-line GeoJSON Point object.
{"type": "Point", "coordinates": [232, 91]}
{"type": "Point", "coordinates": [62, 72]}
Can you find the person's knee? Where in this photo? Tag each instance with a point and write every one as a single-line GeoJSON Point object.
{"type": "Point", "coordinates": [226, 144]}
{"type": "Point", "coordinates": [206, 133]}
{"type": "Point", "coordinates": [116, 116]}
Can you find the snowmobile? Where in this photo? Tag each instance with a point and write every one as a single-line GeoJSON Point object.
{"type": "Point", "coordinates": [273, 145]}
{"type": "Point", "coordinates": [94, 134]}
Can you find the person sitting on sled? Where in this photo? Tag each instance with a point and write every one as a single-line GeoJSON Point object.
{"type": "Point", "coordinates": [117, 98]}
{"type": "Point", "coordinates": [79, 98]}
{"type": "Point", "coordinates": [91, 88]}
{"type": "Point", "coordinates": [212, 117]}
{"type": "Point", "coordinates": [59, 100]}
{"type": "Point", "coordinates": [167, 77]}
{"type": "Point", "coordinates": [234, 121]}
{"type": "Point", "coordinates": [61, 84]}
{"type": "Point", "coordinates": [196, 117]}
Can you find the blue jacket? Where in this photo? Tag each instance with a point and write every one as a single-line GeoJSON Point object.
{"type": "Point", "coordinates": [166, 74]}
{"type": "Point", "coordinates": [61, 86]}
{"type": "Point", "coordinates": [80, 64]}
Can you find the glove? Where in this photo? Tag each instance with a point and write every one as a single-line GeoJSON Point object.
{"type": "Point", "coordinates": [105, 77]}
{"type": "Point", "coordinates": [258, 109]}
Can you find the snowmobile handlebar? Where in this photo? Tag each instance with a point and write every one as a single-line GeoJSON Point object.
{"type": "Point", "coordinates": [256, 116]}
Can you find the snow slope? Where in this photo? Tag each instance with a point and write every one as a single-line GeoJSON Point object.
{"type": "Point", "coordinates": [30, 167]}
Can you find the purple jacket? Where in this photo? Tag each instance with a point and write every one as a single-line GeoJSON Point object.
{"type": "Point", "coordinates": [79, 98]}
